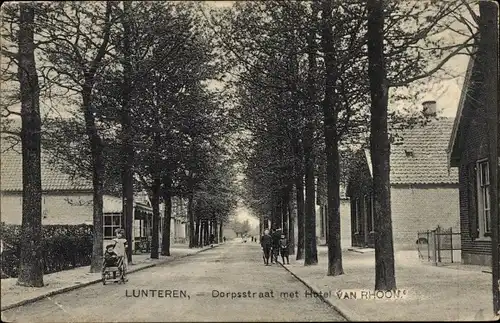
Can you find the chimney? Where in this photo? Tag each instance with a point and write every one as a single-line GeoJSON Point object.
{"type": "Point", "coordinates": [429, 108]}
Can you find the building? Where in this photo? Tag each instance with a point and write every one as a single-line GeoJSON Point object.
{"type": "Point", "coordinates": [322, 216]}
{"type": "Point", "coordinates": [468, 153]}
{"type": "Point", "coordinates": [178, 226]}
{"type": "Point", "coordinates": [69, 201]}
{"type": "Point", "coordinates": [424, 194]}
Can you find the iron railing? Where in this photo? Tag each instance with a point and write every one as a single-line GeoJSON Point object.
{"type": "Point", "coordinates": [439, 246]}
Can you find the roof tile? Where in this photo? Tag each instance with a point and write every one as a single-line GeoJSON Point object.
{"type": "Point", "coordinates": [52, 178]}
{"type": "Point", "coordinates": [421, 157]}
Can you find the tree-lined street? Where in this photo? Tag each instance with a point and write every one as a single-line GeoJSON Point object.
{"type": "Point", "coordinates": [232, 267]}
{"type": "Point", "coordinates": [168, 117]}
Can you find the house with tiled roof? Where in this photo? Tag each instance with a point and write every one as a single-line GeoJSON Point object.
{"type": "Point", "coordinates": [469, 154]}
{"type": "Point", "coordinates": [424, 193]}
{"type": "Point", "coordinates": [67, 200]}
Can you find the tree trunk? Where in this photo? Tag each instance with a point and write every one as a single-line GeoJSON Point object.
{"type": "Point", "coordinates": [31, 262]}
{"type": "Point", "coordinates": [380, 149]}
{"type": "Point", "coordinates": [207, 233]}
{"type": "Point", "coordinates": [216, 232]}
{"type": "Point", "coordinates": [279, 211]}
{"type": "Point", "coordinates": [156, 188]}
{"type": "Point", "coordinates": [97, 180]}
{"type": "Point", "coordinates": [167, 216]}
{"type": "Point", "coordinates": [291, 226]}
{"type": "Point", "coordinates": [284, 211]}
{"type": "Point", "coordinates": [273, 214]}
{"type": "Point", "coordinates": [203, 233]}
{"type": "Point", "coordinates": [127, 142]}
{"type": "Point", "coordinates": [221, 231]}
{"type": "Point", "coordinates": [197, 234]}
{"type": "Point", "coordinates": [488, 29]}
{"type": "Point", "coordinates": [96, 146]}
{"type": "Point", "coordinates": [299, 186]}
{"type": "Point", "coordinates": [311, 254]}
{"type": "Point", "coordinates": [330, 115]}
{"type": "Point", "coordinates": [190, 213]}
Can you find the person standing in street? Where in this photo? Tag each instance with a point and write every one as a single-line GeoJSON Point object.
{"type": "Point", "coordinates": [266, 244]}
{"type": "Point", "coordinates": [284, 249]}
{"type": "Point", "coordinates": [276, 236]}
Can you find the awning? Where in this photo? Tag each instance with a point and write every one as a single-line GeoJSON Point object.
{"type": "Point", "coordinates": [113, 204]}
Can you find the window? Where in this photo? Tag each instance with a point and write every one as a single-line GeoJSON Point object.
{"type": "Point", "coordinates": [112, 221]}
{"type": "Point", "coordinates": [483, 199]}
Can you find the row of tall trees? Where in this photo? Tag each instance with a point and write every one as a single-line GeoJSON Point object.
{"type": "Point", "coordinates": [313, 81]}
{"type": "Point", "coordinates": [131, 80]}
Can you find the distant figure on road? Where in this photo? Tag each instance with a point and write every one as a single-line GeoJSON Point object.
{"type": "Point", "coordinates": [266, 243]}
{"type": "Point", "coordinates": [224, 239]}
{"type": "Point", "coordinates": [284, 249]}
{"type": "Point", "coordinates": [276, 245]}
{"type": "Point", "coordinates": [212, 239]}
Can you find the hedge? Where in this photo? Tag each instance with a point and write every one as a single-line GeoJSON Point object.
{"type": "Point", "coordinates": [64, 247]}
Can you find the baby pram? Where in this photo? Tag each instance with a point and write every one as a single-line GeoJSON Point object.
{"type": "Point", "coordinates": [113, 270]}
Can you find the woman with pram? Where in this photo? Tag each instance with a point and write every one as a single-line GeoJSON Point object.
{"type": "Point", "coordinates": [116, 255]}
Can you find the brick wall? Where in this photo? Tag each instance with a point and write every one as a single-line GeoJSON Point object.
{"type": "Point", "coordinates": [474, 140]}
{"type": "Point", "coordinates": [421, 208]}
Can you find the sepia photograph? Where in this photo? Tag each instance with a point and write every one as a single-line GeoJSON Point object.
{"type": "Point", "coordinates": [249, 161]}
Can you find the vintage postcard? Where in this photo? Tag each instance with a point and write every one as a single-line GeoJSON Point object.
{"type": "Point", "coordinates": [249, 161]}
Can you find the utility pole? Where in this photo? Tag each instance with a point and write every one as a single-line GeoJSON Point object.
{"type": "Point", "coordinates": [489, 49]}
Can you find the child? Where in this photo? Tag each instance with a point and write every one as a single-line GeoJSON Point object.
{"type": "Point", "coordinates": [110, 256]}
{"type": "Point", "coordinates": [121, 248]}
{"type": "Point", "coordinates": [284, 249]}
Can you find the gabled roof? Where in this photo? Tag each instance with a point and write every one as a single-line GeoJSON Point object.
{"type": "Point", "coordinates": [421, 156]}
{"type": "Point", "coordinates": [52, 178]}
{"type": "Point", "coordinates": [453, 143]}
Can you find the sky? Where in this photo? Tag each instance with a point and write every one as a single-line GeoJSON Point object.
{"type": "Point", "coordinates": [243, 213]}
